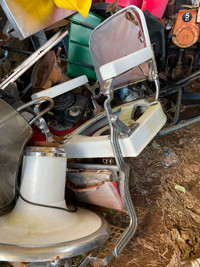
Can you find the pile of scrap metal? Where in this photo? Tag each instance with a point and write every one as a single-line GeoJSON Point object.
{"type": "Point", "coordinates": [62, 143]}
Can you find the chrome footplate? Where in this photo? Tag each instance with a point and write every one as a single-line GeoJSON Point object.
{"type": "Point", "coordinates": [106, 252]}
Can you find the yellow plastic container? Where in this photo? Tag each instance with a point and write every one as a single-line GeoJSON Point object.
{"type": "Point", "coordinates": [82, 6]}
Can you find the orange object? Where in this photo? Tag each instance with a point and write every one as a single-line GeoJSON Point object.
{"type": "Point", "coordinates": [186, 31]}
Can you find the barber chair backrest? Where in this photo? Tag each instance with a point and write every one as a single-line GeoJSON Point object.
{"type": "Point", "coordinates": [122, 34]}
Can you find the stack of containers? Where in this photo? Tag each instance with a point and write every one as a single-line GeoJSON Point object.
{"type": "Point", "coordinates": [79, 61]}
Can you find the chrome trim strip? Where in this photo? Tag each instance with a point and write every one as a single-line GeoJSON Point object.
{"type": "Point", "coordinates": [45, 152]}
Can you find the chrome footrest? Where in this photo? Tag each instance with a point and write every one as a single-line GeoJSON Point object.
{"type": "Point", "coordinates": [105, 253]}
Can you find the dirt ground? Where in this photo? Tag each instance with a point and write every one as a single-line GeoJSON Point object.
{"type": "Point", "coordinates": [166, 200]}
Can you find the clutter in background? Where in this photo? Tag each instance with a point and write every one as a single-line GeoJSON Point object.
{"type": "Point", "coordinates": [111, 57]}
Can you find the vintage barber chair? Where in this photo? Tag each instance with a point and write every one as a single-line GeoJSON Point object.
{"type": "Point", "coordinates": [34, 231]}
{"type": "Point", "coordinates": [40, 227]}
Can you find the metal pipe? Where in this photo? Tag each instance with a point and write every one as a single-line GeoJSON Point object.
{"type": "Point", "coordinates": [184, 80]}
{"type": "Point", "coordinates": [32, 59]}
{"type": "Point", "coordinates": [38, 101]}
{"type": "Point", "coordinates": [92, 166]}
{"type": "Point", "coordinates": [8, 48]}
{"type": "Point", "coordinates": [178, 126]}
{"type": "Point", "coordinates": [173, 87]}
{"type": "Point", "coordinates": [130, 230]}
{"type": "Point", "coordinates": [178, 107]}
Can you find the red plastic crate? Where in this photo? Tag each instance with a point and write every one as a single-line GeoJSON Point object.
{"type": "Point", "coordinates": [124, 3]}
{"type": "Point", "coordinates": [155, 7]}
